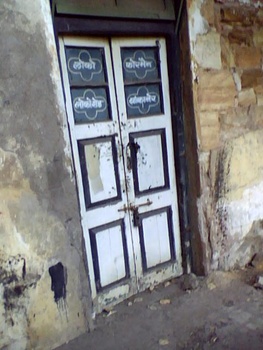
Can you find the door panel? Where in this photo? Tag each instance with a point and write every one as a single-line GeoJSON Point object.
{"type": "Point", "coordinates": [156, 238]}
{"type": "Point", "coordinates": [120, 124]}
{"type": "Point", "coordinates": [149, 161]}
{"type": "Point", "coordinates": [144, 106]}
{"type": "Point", "coordinates": [99, 168]}
{"type": "Point", "coordinates": [110, 255]}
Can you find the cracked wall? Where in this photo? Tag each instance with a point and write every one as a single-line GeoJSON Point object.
{"type": "Point", "coordinates": [226, 41]}
{"type": "Point", "coordinates": [43, 302]}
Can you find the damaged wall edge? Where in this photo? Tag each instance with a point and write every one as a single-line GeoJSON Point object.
{"type": "Point", "coordinates": [199, 263]}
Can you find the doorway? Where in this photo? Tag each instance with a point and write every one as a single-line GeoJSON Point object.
{"type": "Point", "coordinates": [118, 106]}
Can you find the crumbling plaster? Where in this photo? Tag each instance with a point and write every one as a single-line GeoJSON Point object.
{"type": "Point", "coordinates": [226, 50]}
{"type": "Point", "coordinates": [39, 215]}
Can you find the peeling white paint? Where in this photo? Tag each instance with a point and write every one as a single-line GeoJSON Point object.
{"type": "Point", "coordinates": [56, 79]}
{"type": "Point", "coordinates": [242, 213]}
{"type": "Point", "coordinates": [238, 219]}
{"type": "Point", "coordinates": [24, 247]}
{"type": "Point", "coordinates": [237, 80]}
{"type": "Point", "coordinates": [207, 51]}
{"type": "Point", "coordinates": [198, 25]}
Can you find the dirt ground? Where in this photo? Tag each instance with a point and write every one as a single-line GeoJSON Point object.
{"type": "Point", "coordinates": [222, 311]}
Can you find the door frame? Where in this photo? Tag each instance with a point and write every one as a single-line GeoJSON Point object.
{"type": "Point", "coordinates": [183, 124]}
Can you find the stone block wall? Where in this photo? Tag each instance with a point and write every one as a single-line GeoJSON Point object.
{"type": "Point", "coordinates": [226, 40]}
{"type": "Point", "coordinates": [44, 293]}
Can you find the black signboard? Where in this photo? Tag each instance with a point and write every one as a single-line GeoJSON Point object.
{"type": "Point", "coordinates": [85, 65]}
{"type": "Point", "coordinates": [90, 105]}
{"type": "Point", "coordinates": [143, 100]}
{"type": "Point", "coordinates": [140, 64]}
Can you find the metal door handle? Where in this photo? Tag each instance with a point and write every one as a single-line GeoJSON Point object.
{"type": "Point", "coordinates": [125, 208]}
{"type": "Point", "coordinates": [133, 208]}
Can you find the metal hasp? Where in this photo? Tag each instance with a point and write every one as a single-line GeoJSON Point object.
{"type": "Point", "coordinates": [132, 207]}
{"type": "Point", "coordinates": [135, 210]}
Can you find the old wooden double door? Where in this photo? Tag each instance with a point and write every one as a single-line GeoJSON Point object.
{"type": "Point", "coordinates": [118, 107]}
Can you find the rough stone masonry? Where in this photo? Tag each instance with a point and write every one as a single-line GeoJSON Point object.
{"type": "Point", "coordinates": [226, 39]}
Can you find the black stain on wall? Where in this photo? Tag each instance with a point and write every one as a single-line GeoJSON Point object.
{"type": "Point", "coordinates": [58, 281]}
{"type": "Point", "coordinates": [15, 283]}
{"type": "Point", "coordinates": [223, 165]}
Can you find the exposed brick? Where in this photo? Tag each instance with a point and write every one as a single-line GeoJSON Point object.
{"type": "Point", "coordinates": [241, 36]}
{"type": "Point", "coordinates": [258, 116]}
{"type": "Point", "coordinates": [209, 138]}
{"type": "Point", "coordinates": [258, 38]}
{"type": "Point", "coordinates": [207, 11]}
{"type": "Point", "coordinates": [247, 97]}
{"type": "Point", "coordinates": [216, 90]}
{"type": "Point", "coordinates": [234, 118]}
{"type": "Point", "coordinates": [252, 78]}
{"type": "Point", "coordinates": [210, 130]}
{"type": "Point", "coordinates": [210, 118]}
{"type": "Point", "coordinates": [259, 18]}
{"type": "Point", "coordinates": [234, 122]}
{"type": "Point", "coordinates": [238, 15]}
{"type": "Point", "coordinates": [259, 95]}
{"type": "Point", "coordinates": [227, 56]}
{"type": "Point", "coordinates": [247, 57]}
{"type": "Point", "coordinates": [207, 50]}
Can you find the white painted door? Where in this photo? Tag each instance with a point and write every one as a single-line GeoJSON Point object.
{"type": "Point", "coordinates": [117, 98]}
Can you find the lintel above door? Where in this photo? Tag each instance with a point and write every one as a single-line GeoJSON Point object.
{"type": "Point", "coordinates": [150, 9]}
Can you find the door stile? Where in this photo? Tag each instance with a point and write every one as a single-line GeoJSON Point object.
{"type": "Point", "coordinates": [74, 138]}
{"type": "Point", "coordinates": [121, 119]}
{"type": "Point", "coordinates": [138, 126]}
{"type": "Point", "coordinates": [97, 216]}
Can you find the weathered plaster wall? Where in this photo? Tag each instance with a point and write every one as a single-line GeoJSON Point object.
{"type": "Point", "coordinates": [226, 40]}
{"type": "Point", "coordinates": [40, 232]}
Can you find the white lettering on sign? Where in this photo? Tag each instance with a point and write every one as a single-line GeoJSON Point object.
{"type": "Point", "coordinates": [143, 100]}
{"type": "Point", "coordinates": [139, 64]}
{"type": "Point", "coordinates": [79, 65]}
{"type": "Point", "coordinates": [84, 65]}
{"type": "Point", "coordinates": [90, 104]}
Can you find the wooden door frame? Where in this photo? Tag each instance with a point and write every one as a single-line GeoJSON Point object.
{"type": "Point", "coordinates": [185, 148]}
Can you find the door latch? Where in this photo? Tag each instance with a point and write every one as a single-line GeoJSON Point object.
{"type": "Point", "coordinates": [125, 208]}
{"type": "Point", "coordinates": [136, 217]}
{"type": "Point", "coordinates": [135, 210]}
{"type": "Point", "coordinates": [132, 207]}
